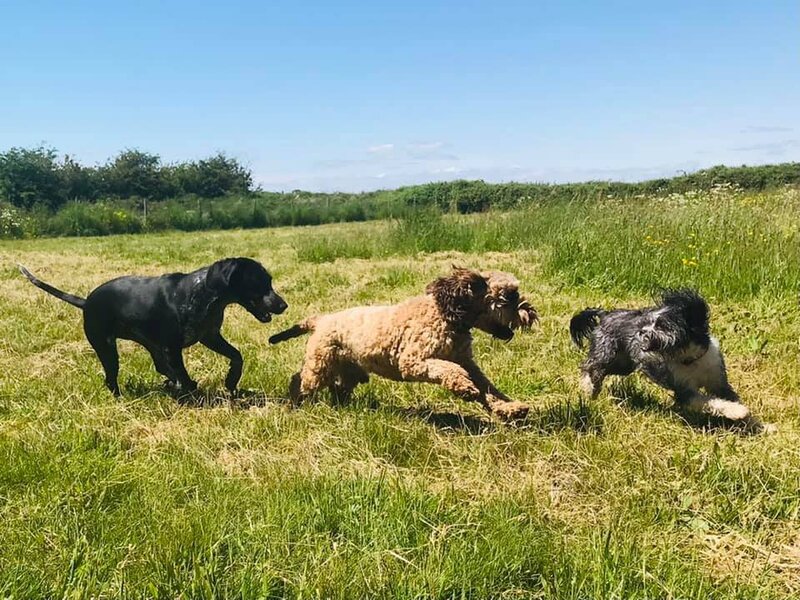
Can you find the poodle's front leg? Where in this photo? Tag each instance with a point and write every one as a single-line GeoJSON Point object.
{"type": "Point", "coordinates": [457, 379]}
{"type": "Point", "coordinates": [445, 373]}
{"type": "Point", "coordinates": [494, 400]}
{"type": "Point", "coordinates": [483, 383]}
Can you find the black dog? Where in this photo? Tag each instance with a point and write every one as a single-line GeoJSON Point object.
{"type": "Point", "coordinates": [669, 343]}
{"type": "Point", "coordinates": [168, 313]}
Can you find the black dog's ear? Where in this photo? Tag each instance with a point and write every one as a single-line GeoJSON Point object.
{"type": "Point", "coordinates": [456, 294]}
{"type": "Point", "coordinates": [221, 273]}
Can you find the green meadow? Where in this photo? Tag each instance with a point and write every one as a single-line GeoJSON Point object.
{"type": "Point", "coordinates": [407, 492]}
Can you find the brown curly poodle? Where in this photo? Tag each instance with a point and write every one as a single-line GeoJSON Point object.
{"type": "Point", "coordinates": [426, 338]}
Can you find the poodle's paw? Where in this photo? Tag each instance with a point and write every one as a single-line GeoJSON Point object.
{"type": "Point", "coordinates": [510, 411]}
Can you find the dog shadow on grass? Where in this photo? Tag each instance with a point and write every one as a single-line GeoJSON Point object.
{"type": "Point", "coordinates": [579, 417]}
{"type": "Point", "coordinates": [629, 395]}
{"type": "Point", "coordinates": [626, 393]}
{"type": "Point", "coordinates": [242, 399]}
{"type": "Point", "coordinates": [204, 397]}
{"type": "Point", "coordinates": [445, 421]}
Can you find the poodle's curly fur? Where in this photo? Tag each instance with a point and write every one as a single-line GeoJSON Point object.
{"type": "Point", "coordinates": [426, 338]}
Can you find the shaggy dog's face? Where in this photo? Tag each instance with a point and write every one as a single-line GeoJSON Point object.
{"type": "Point", "coordinates": [678, 322]}
{"type": "Point", "coordinates": [488, 301]}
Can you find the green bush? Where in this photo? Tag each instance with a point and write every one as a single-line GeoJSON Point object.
{"type": "Point", "coordinates": [29, 177]}
{"type": "Point", "coordinates": [79, 218]}
{"type": "Point", "coordinates": [163, 216]}
{"type": "Point", "coordinates": [426, 230]}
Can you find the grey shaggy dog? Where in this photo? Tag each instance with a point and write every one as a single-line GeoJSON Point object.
{"type": "Point", "coordinates": [669, 343]}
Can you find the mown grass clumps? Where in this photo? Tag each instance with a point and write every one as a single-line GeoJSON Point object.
{"type": "Point", "coordinates": [105, 521]}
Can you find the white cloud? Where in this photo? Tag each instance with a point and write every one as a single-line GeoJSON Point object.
{"type": "Point", "coordinates": [770, 148]}
{"type": "Point", "coordinates": [426, 146]}
{"type": "Point", "coordinates": [766, 129]}
{"type": "Point", "coordinates": [380, 148]}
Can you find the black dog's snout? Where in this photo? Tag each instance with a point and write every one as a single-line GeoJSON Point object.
{"type": "Point", "coordinates": [278, 305]}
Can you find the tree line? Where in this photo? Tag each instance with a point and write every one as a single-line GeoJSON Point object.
{"type": "Point", "coordinates": [44, 195]}
{"type": "Point", "coordinates": [37, 177]}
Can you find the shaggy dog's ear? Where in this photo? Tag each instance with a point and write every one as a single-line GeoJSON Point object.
{"type": "Point", "coordinates": [456, 294]}
{"type": "Point", "coordinates": [691, 304]}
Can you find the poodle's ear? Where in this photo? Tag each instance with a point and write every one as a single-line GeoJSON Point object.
{"type": "Point", "coordinates": [456, 294]}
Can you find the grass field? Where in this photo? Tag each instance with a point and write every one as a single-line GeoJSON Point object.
{"type": "Point", "coordinates": [407, 492]}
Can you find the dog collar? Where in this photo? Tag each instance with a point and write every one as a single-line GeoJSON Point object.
{"type": "Point", "coordinates": [689, 361]}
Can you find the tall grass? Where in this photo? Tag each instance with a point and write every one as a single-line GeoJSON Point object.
{"type": "Point", "coordinates": [726, 243]}
{"type": "Point", "coordinates": [115, 216]}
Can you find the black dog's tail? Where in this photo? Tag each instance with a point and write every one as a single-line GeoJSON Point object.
{"type": "Point", "coordinates": [294, 331]}
{"type": "Point", "coordinates": [582, 324]}
{"type": "Point", "coordinates": [69, 298]}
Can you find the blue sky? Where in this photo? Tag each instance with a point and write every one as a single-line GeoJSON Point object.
{"type": "Point", "coordinates": [365, 95]}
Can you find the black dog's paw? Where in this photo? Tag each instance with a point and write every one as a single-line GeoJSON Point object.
{"type": "Point", "coordinates": [176, 388]}
{"type": "Point", "coordinates": [237, 393]}
{"type": "Point", "coordinates": [184, 394]}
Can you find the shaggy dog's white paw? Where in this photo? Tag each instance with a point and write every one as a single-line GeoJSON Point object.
{"type": "Point", "coordinates": [768, 428]}
{"type": "Point", "coordinates": [717, 407]}
{"type": "Point", "coordinates": [735, 411]}
{"type": "Point", "coordinates": [752, 426]}
{"type": "Point", "coordinates": [587, 387]}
